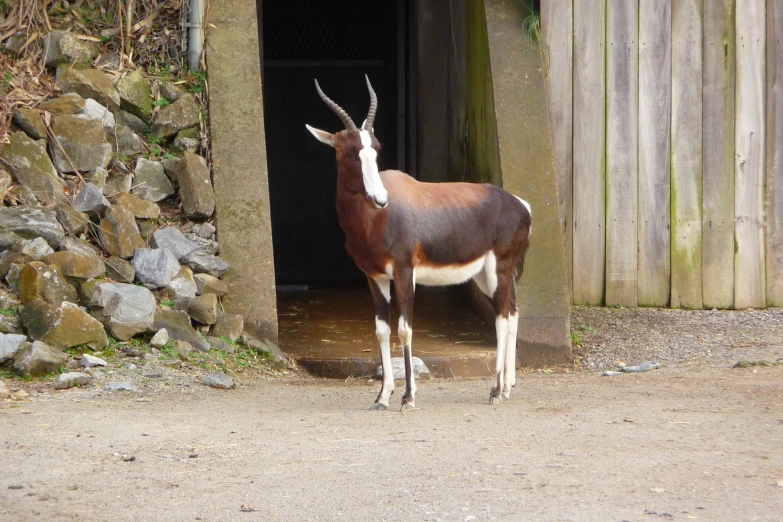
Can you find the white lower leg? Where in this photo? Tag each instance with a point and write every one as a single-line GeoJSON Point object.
{"type": "Point", "coordinates": [501, 330]}
{"type": "Point", "coordinates": [510, 371]}
{"type": "Point", "coordinates": [383, 332]}
{"type": "Point", "coordinates": [406, 336]}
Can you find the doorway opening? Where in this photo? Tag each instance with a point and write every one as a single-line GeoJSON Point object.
{"type": "Point", "coordinates": [324, 304]}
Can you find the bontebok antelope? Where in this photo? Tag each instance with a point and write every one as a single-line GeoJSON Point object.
{"type": "Point", "coordinates": [397, 228]}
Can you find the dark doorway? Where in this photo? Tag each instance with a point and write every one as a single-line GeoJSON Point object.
{"type": "Point", "coordinates": [336, 42]}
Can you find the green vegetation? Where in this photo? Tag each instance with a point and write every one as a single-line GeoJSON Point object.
{"type": "Point", "coordinates": [7, 79]}
{"type": "Point", "coordinates": [531, 25]}
{"type": "Point", "coordinates": [10, 312]}
{"type": "Point", "coordinates": [162, 102]}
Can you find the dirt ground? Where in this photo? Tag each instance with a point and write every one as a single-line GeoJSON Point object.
{"type": "Point", "coordinates": [693, 440]}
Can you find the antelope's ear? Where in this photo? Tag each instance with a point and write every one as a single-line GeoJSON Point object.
{"type": "Point", "coordinates": [322, 136]}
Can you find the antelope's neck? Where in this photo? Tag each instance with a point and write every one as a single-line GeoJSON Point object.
{"type": "Point", "coordinates": [364, 228]}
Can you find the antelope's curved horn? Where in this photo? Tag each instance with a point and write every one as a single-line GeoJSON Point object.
{"type": "Point", "coordinates": [347, 121]}
{"type": "Point", "coordinates": [373, 105]}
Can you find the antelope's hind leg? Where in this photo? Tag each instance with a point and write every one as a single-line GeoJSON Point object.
{"type": "Point", "coordinates": [381, 294]}
{"type": "Point", "coordinates": [510, 370]}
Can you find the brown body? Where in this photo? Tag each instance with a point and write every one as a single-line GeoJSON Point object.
{"type": "Point", "coordinates": [397, 228]}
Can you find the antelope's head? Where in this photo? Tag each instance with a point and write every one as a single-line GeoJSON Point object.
{"type": "Point", "coordinates": [357, 149]}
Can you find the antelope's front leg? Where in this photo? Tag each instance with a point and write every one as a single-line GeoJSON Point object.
{"type": "Point", "coordinates": [404, 290]}
{"type": "Point", "coordinates": [501, 330]}
{"type": "Point", "coordinates": [510, 370]}
{"type": "Point", "coordinates": [381, 295]}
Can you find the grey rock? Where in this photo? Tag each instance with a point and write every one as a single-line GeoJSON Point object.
{"type": "Point", "coordinates": [64, 47]}
{"type": "Point", "coordinates": [131, 367]}
{"type": "Point", "coordinates": [30, 166]}
{"type": "Point", "coordinates": [177, 324]}
{"type": "Point", "coordinates": [10, 325]}
{"type": "Point", "coordinates": [129, 308]}
{"type": "Point", "coordinates": [24, 196]}
{"type": "Point", "coordinates": [195, 184]}
{"type": "Point", "coordinates": [155, 267]}
{"type": "Point", "coordinates": [171, 363]}
{"type": "Point", "coordinates": [91, 83]}
{"type": "Point", "coordinates": [91, 201]}
{"type": "Point", "coordinates": [186, 140]}
{"type": "Point", "coordinates": [37, 358]}
{"type": "Point", "coordinates": [109, 61]}
{"type": "Point", "coordinates": [221, 344]}
{"type": "Point", "coordinates": [6, 180]}
{"type": "Point", "coordinates": [119, 233]}
{"type": "Point", "coordinates": [133, 122]}
{"type": "Point", "coordinates": [94, 111]}
{"type": "Point", "coordinates": [120, 270]}
{"type": "Point", "coordinates": [207, 245]}
{"type": "Point", "coordinates": [160, 339]}
{"type": "Point", "coordinates": [181, 114]}
{"type": "Point", "coordinates": [120, 386]}
{"type": "Point", "coordinates": [218, 380]}
{"type": "Point", "coordinates": [117, 183]}
{"type": "Point", "coordinates": [30, 223]}
{"type": "Point", "coordinates": [70, 103]}
{"type": "Point", "coordinates": [30, 122]}
{"type": "Point", "coordinates": [124, 142]}
{"type": "Point", "coordinates": [174, 241]}
{"type": "Point", "coordinates": [84, 141]}
{"type": "Point", "coordinates": [204, 230]}
{"type": "Point", "coordinates": [228, 325]}
{"type": "Point", "coordinates": [8, 239]}
{"type": "Point", "coordinates": [146, 228]}
{"type": "Point", "coordinates": [72, 221]}
{"type": "Point", "coordinates": [183, 348]}
{"type": "Point", "coordinates": [62, 327]}
{"type": "Point", "coordinates": [610, 373]}
{"type": "Point", "coordinates": [203, 308]}
{"type": "Point", "coordinates": [12, 278]}
{"type": "Point", "coordinates": [89, 361]}
{"type": "Point", "coordinates": [398, 368]}
{"type": "Point", "coordinates": [170, 168]}
{"type": "Point", "coordinates": [98, 177]}
{"type": "Point", "coordinates": [136, 95]}
{"type": "Point", "coordinates": [183, 285]}
{"type": "Point", "coordinates": [150, 181]}
{"type": "Point", "coordinates": [264, 347]}
{"type": "Point", "coordinates": [201, 262]}
{"type": "Point", "coordinates": [71, 244]}
{"type": "Point", "coordinates": [9, 345]}
{"type": "Point", "coordinates": [71, 379]}
{"type": "Point", "coordinates": [14, 46]}
{"type": "Point", "coordinates": [36, 248]}
{"type": "Point", "coordinates": [172, 92]}
{"type": "Point", "coordinates": [643, 367]}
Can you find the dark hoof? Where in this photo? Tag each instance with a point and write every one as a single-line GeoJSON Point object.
{"type": "Point", "coordinates": [494, 396]}
{"type": "Point", "coordinates": [406, 406]}
{"type": "Point", "coordinates": [379, 406]}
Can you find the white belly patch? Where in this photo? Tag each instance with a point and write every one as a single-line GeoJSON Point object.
{"type": "Point", "coordinates": [448, 274]}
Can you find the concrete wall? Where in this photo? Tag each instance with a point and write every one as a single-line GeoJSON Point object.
{"type": "Point", "coordinates": [239, 164]}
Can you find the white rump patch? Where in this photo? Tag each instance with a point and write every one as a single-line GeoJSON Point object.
{"type": "Point", "coordinates": [529, 211]}
{"type": "Point", "coordinates": [370, 175]}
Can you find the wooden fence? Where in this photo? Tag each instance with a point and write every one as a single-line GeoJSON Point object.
{"type": "Point", "coordinates": [667, 121]}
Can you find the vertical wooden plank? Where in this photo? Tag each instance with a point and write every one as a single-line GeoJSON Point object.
{"type": "Point", "coordinates": [654, 151]}
{"type": "Point", "coordinates": [774, 245]}
{"type": "Point", "coordinates": [749, 264]}
{"type": "Point", "coordinates": [622, 133]}
{"type": "Point", "coordinates": [718, 155]}
{"type": "Point", "coordinates": [589, 151]}
{"type": "Point", "coordinates": [686, 182]}
{"type": "Point", "coordinates": [557, 28]}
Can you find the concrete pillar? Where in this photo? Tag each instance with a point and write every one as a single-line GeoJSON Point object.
{"type": "Point", "coordinates": [527, 168]}
{"type": "Point", "coordinates": [239, 164]}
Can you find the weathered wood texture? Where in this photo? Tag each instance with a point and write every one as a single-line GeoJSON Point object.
{"type": "Point", "coordinates": [718, 155]}
{"type": "Point", "coordinates": [589, 212]}
{"type": "Point", "coordinates": [654, 151]}
{"type": "Point", "coordinates": [774, 215]}
{"type": "Point", "coordinates": [622, 140]}
{"type": "Point", "coordinates": [686, 180]}
{"type": "Point", "coordinates": [557, 29]}
{"type": "Point", "coordinates": [749, 273]}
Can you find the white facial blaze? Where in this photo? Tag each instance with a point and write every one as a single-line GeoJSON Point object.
{"type": "Point", "coordinates": [372, 179]}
